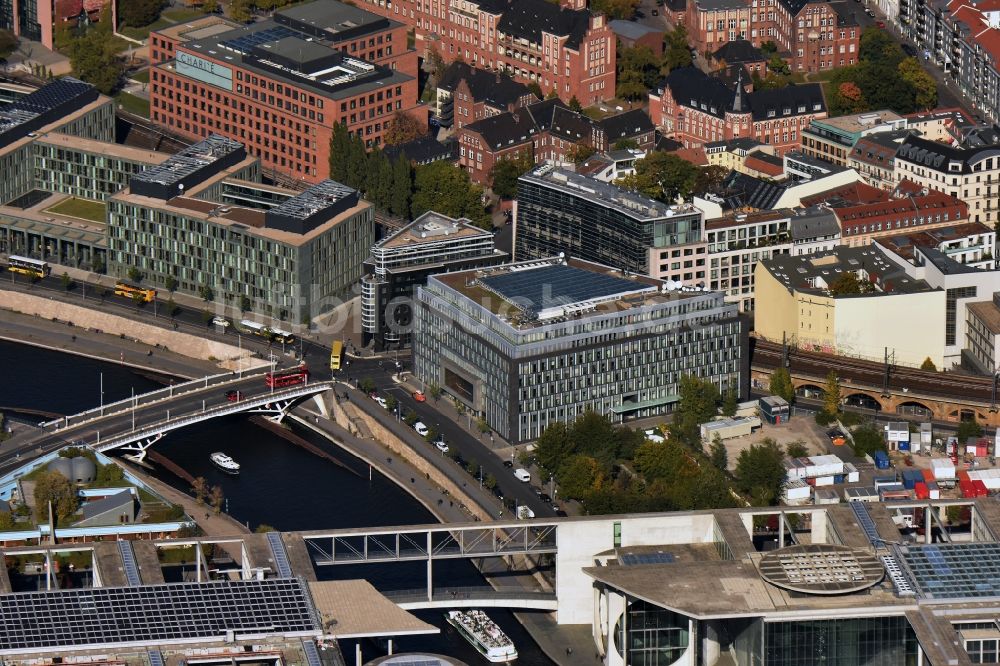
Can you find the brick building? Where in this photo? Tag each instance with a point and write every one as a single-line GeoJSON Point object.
{"type": "Point", "coordinates": [466, 94]}
{"type": "Point", "coordinates": [695, 108]}
{"type": "Point", "coordinates": [860, 223]}
{"type": "Point", "coordinates": [812, 35]}
{"type": "Point", "coordinates": [549, 131]}
{"type": "Point", "coordinates": [562, 48]}
{"type": "Point", "coordinates": [280, 86]}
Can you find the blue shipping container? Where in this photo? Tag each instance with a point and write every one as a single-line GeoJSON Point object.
{"type": "Point", "coordinates": [904, 446]}
{"type": "Point", "coordinates": [881, 460]}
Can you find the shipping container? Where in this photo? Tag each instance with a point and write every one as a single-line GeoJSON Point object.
{"type": "Point", "coordinates": [851, 472]}
{"type": "Point", "coordinates": [881, 460]}
{"type": "Point", "coordinates": [933, 490]}
{"type": "Point", "coordinates": [981, 490]}
{"type": "Point", "coordinates": [920, 490]}
{"type": "Point", "coordinates": [928, 475]}
{"type": "Point", "coordinates": [826, 496]}
{"type": "Point", "coordinates": [896, 495]}
{"type": "Point", "coordinates": [967, 489]}
{"type": "Point", "coordinates": [797, 491]}
{"type": "Point", "coordinates": [861, 495]}
{"type": "Point", "coordinates": [882, 481]}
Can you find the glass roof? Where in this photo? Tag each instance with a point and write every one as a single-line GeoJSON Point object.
{"type": "Point", "coordinates": [953, 570]}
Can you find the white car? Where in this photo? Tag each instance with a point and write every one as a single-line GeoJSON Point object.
{"type": "Point", "coordinates": [654, 435]}
{"type": "Point", "coordinates": [441, 446]}
{"type": "Point", "coordinates": [525, 513]}
{"type": "Point", "coordinates": [420, 428]}
{"type": "Point", "coordinates": [381, 402]}
{"type": "Point", "coordinates": [522, 475]}
{"type": "Point", "coordinates": [220, 321]}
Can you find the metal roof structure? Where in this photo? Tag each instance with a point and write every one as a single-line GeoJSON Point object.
{"type": "Point", "coordinates": [631, 559]}
{"type": "Point", "coordinates": [50, 102]}
{"type": "Point", "coordinates": [244, 44]}
{"type": "Point", "coordinates": [308, 209]}
{"type": "Point", "coordinates": [191, 165]}
{"type": "Point", "coordinates": [821, 569]}
{"type": "Point", "coordinates": [154, 614]}
{"type": "Point", "coordinates": [953, 570]}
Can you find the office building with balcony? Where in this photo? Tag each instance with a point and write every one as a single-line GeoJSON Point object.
{"type": "Point", "coordinates": [431, 244]}
{"type": "Point", "coordinates": [833, 139]}
{"type": "Point", "coordinates": [736, 243]}
{"type": "Point", "coordinates": [202, 218]}
{"type": "Point", "coordinates": [561, 211]}
{"type": "Point", "coordinates": [532, 343]}
{"type": "Point", "coordinates": [562, 47]}
{"type": "Point", "coordinates": [280, 86]}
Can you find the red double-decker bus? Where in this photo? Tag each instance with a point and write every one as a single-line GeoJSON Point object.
{"type": "Point", "coordinates": [291, 377]}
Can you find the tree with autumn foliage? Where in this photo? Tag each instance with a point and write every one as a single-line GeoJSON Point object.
{"type": "Point", "coordinates": [403, 128]}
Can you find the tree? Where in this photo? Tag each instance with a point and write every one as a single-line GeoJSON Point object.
{"type": "Point", "coordinates": [575, 105]}
{"type": "Point", "coordinates": [637, 71]}
{"type": "Point", "coordinates": [139, 13]}
{"type": "Point", "coordinates": [340, 140]}
{"type": "Point", "coordinates": [410, 418]}
{"type": "Point", "coordinates": [200, 489]}
{"type": "Point", "coordinates": [7, 522]}
{"type": "Point", "coordinates": [867, 440]}
{"type": "Point", "coordinates": [615, 9]}
{"type": "Point", "coordinates": [446, 188]}
{"type": "Point", "coordinates": [967, 429]}
{"type": "Point", "coordinates": [240, 10]}
{"type": "Point", "coordinates": [435, 391]}
{"type": "Point", "coordinates": [402, 187]}
{"type": "Point", "coordinates": [244, 303]}
{"type": "Point", "coordinates": [138, 299]}
{"type": "Point", "coordinates": [851, 99]}
{"type": "Point", "coordinates": [534, 89]}
{"type": "Point", "coordinates": [171, 308]}
{"type": "Point", "coordinates": [66, 281]}
{"type": "Point", "coordinates": [662, 176]}
{"type": "Point", "coordinates": [210, 6]}
{"type": "Point", "coordinates": [391, 403]}
{"type": "Point", "coordinates": [697, 405]}
{"type": "Point", "coordinates": [367, 385]}
{"type": "Point", "coordinates": [109, 476]}
{"type": "Point", "coordinates": [678, 50]}
{"type": "Point", "coordinates": [134, 274]}
{"type": "Point", "coordinates": [718, 454]}
{"type": "Point", "coordinates": [505, 173]}
{"type": "Point", "coordinates": [264, 528]}
{"type": "Point", "coordinates": [580, 475]}
{"type": "Point", "coordinates": [95, 61]}
{"type": "Point", "coordinates": [796, 450]}
{"type": "Point", "coordinates": [553, 448]}
{"type": "Point", "coordinates": [206, 293]}
{"type": "Point", "coordinates": [403, 128]}
{"type": "Point", "coordinates": [482, 425]}
{"type": "Point", "coordinates": [625, 144]}
{"type": "Point", "coordinates": [170, 283]}
{"type": "Point", "coordinates": [379, 185]}
{"type": "Point", "coordinates": [928, 365]}
{"type": "Point", "coordinates": [848, 283]}
{"type": "Point", "coordinates": [768, 48]}
{"type": "Point", "coordinates": [760, 471]}
{"type": "Point", "coordinates": [924, 85]}
{"type": "Point", "coordinates": [216, 499]}
{"type": "Point", "coordinates": [490, 482]}
{"type": "Point", "coordinates": [8, 43]}
{"type": "Point", "coordinates": [778, 65]}
{"type": "Point", "coordinates": [730, 402]}
{"type": "Point", "coordinates": [55, 488]}
{"type": "Point", "coordinates": [831, 394]}
{"type": "Point", "coordinates": [594, 435]}
{"type": "Point", "coordinates": [781, 384]}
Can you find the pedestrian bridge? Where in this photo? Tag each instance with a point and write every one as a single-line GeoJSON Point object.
{"type": "Point", "coordinates": [474, 597]}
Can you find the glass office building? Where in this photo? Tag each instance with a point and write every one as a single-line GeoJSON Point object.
{"type": "Point", "coordinates": [528, 344]}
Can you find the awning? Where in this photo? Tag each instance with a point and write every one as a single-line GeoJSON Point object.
{"type": "Point", "coordinates": [626, 407]}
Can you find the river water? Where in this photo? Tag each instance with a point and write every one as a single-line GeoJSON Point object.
{"type": "Point", "coordinates": [280, 484]}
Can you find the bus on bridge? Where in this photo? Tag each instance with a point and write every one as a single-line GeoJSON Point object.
{"type": "Point", "coordinates": [282, 378]}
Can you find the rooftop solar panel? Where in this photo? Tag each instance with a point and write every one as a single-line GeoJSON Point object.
{"type": "Point", "coordinates": [953, 570]}
{"type": "Point", "coordinates": [129, 563]}
{"type": "Point", "coordinates": [630, 559]}
{"type": "Point", "coordinates": [311, 654]}
{"type": "Point", "coordinates": [155, 658]}
{"type": "Point", "coordinates": [550, 286]}
{"type": "Point", "coordinates": [246, 43]}
{"type": "Point", "coordinates": [150, 613]}
{"type": "Point", "coordinates": [865, 521]}
{"type": "Point", "coordinates": [280, 554]}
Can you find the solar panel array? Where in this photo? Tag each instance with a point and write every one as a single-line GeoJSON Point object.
{"type": "Point", "coordinates": [954, 570]}
{"type": "Point", "coordinates": [155, 658]}
{"type": "Point", "coordinates": [311, 654]}
{"type": "Point", "coordinates": [629, 559]}
{"type": "Point", "coordinates": [149, 613]}
{"type": "Point", "coordinates": [246, 43]}
{"type": "Point", "coordinates": [865, 521]}
{"type": "Point", "coordinates": [550, 286]}
{"type": "Point", "coordinates": [129, 563]}
{"type": "Point", "coordinates": [280, 554]}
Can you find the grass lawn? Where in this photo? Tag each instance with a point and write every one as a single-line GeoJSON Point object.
{"type": "Point", "coordinates": [82, 208]}
{"type": "Point", "coordinates": [143, 32]}
{"type": "Point", "coordinates": [141, 77]}
{"type": "Point", "coordinates": [133, 104]}
{"type": "Point", "coordinates": [181, 15]}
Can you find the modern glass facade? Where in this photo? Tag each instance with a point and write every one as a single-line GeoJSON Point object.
{"type": "Point", "coordinates": [596, 221]}
{"type": "Point", "coordinates": [83, 173]}
{"type": "Point", "coordinates": [864, 641]}
{"type": "Point", "coordinates": [650, 636]}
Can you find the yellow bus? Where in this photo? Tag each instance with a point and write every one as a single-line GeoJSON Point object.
{"type": "Point", "coordinates": [335, 353]}
{"type": "Point", "coordinates": [28, 266]}
{"type": "Point", "coordinates": [129, 291]}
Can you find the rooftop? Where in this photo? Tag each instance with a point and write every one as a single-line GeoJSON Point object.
{"type": "Point", "coordinates": [51, 102]}
{"type": "Point", "coordinates": [859, 123]}
{"type": "Point", "coordinates": [905, 244]}
{"type": "Point", "coordinates": [173, 174]}
{"type": "Point", "coordinates": [988, 313]}
{"type": "Point", "coordinates": [432, 227]}
{"type": "Point", "coordinates": [814, 273]}
{"type": "Point", "coordinates": [331, 19]}
{"type": "Point", "coordinates": [740, 219]}
{"type": "Point", "coordinates": [632, 29]}
{"type": "Point", "coordinates": [814, 223]}
{"type": "Point", "coordinates": [942, 157]}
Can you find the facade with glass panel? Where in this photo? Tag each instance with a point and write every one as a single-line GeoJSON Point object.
{"type": "Point", "coordinates": [560, 211]}
{"type": "Point", "coordinates": [549, 350]}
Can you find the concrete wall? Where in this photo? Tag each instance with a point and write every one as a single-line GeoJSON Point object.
{"type": "Point", "coordinates": [911, 325]}
{"type": "Point", "coordinates": [775, 311]}
{"type": "Point", "coordinates": [181, 343]}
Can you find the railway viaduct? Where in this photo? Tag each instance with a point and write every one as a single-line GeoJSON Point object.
{"type": "Point", "coordinates": [908, 392]}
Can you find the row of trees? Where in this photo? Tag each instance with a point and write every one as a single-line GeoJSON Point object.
{"type": "Point", "coordinates": [399, 188]}
{"type": "Point", "coordinates": [639, 69]}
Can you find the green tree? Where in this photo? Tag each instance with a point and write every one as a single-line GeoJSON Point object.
{"type": "Point", "coordinates": [379, 186]}
{"type": "Point", "coordinates": [8, 43]}
{"type": "Point", "coordinates": [923, 84]}
{"type": "Point", "coordinates": [391, 403]}
{"type": "Point", "coordinates": [760, 471]}
{"type": "Point", "coordinates": [402, 187]}
{"type": "Point", "coordinates": [698, 404]}
{"type": "Point", "coordinates": [490, 482]}
{"type": "Point", "coordinates": [967, 429]}
{"type": "Point", "coordinates": [867, 440]}
{"type": "Point", "coordinates": [206, 293]}
{"type": "Point", "coordinates": [134, 274]}
{"type": "Point", "coordinates": [95, 61]}
{"type": "Point", "coordinates": [367, 385]}
{"type": "Point", "coordinates": [340, 140]}
{"type": "Point", "coordinates": [66, 281]}
{"type": "Point", "coordinates": [240, 10]}
{"type": "Point", "coordinates": [796, 450]}
{"type": "Point", "coordinates": [553, 448]}
{"type": "Point", "coordinates": [718, 454]}
{"type": "Point", "coordinates": [579, 476]}
{"type": "Point", "coordinates": [210, 6]}
{"type": "Point", "coordinates": [848, 283]}
{"type": "Point", "coordinates": [244, 303]}
{"type": "Point", "coordinates": [615, 9]}
{"type": "Point", "coordinates": [55, 488]}
{"type": "Point", "coordinates": [595, 436]}
{"type": "Point", "coordinates": [678, 50]}
{"type": "Point", "coordinates": [575, 105]}
{"type": "Point", "coordinates": [580, 152]}
{"type": "Point", "coordinates": [109, 476]}
{"type": "Point", "coordinates": [625, 144]}
{"type": "Point", "coordinates": [98, 264]}
{"type": "Point", "coordinates": [170, 283]}
{"type": "Point", "coordinates": [662, 176]}
{"type": "Point", "coordinates": [768, 48]}
{"type": "Point", "coordinates": [403, 128]}
{"type": "Point", "coordinates": [7, 522]}
{"type": "Point", "coordinates": [730, 402]}
{"type": "Point", "coordinates": [505, 173]}
{"type": "Point", "coordinates": [831, 394]}
{"type": "Point", "coordinates": [638, 70]}
{"type": "Point", "coordinates": [443, 187]}
{"type": "Point", "coordinates": [410, 418]}
{"type": "Point", "coordinates": [435, 391]}
{"type": "Point", "coordinates": [928, 365]}
{"type": "Point", "coordinates": [781, 384]}
{"type": "Point", "coordinates": [535, 89]}
{"type": "Point", "coordinates": [778, 65]}
{"type": "Point", "coordinates": [139, 13]}
{"type": "Point", "coordinates": [138, 299]}
{"type": "Point", "coordinates": [264, 528]}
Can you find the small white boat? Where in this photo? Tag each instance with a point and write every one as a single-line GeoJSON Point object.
{"type": "Point", "coordinates": [484, 635]}
{"type": "Point", "coordinates": [225, 463]}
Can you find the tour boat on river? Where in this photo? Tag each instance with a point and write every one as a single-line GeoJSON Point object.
{"type": "Point", "coordinates": [484, 635]}
{"type": "Point", "coordinates": [225, 463]}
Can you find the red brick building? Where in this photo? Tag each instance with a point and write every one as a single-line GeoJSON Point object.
{"type": "Point", "coordinates": [549, 131]}
{"type": "Point", "coordinates": [813, 35]}
{"type": "Point", "coordinates": [280, 86]}
{"type": "Point", "coordinates": [695, 108]}
{"type": "Point", "coordinates": [466, 94]}
{"type": "Point", "coordinates": [562, 48]}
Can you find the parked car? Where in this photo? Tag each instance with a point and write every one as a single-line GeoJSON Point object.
{"type": "Point", "coordinates": [220, 321]}
{"type": "Point", "coordinates": [381, 402]}
{"type": "Point", "coordinates": [655, 13]}
{"type": "Point", "coordinates": [420, 428]}
{"type": "Point", "coordinates": [234, 396]}
{"type": "Point", "coordinates": [545, 498]}
{"type": "Point", "coordinates": [654, 435]}
{"type": "Point", "coordinates": [909, 50]}
{"type": "Point", "coordinates": [441, 445]}
{"type": "Point", "coordinates": [419, 396]}
{"type": "Point", "coordinates": [522, 475]}
{"type": "Point", "coordinates": [508, 464]}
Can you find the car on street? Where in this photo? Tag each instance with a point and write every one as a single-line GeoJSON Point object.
{"type": "Point", "coordinates": [508, 464]}
{"type": "Point", "coordinates": [522, 475]}
{"type": "Point", "coordinates": [381, 402]}
{"type": "Point", "coordinates": [869, 12]}
{"type": "Point", "coordinates": [441, 445]}
{"type": "Point", "coordinates": [656, 13]}
{"type": "Point", "coordinates": [220, 321]}
{"type": "Point", "coordinates": [234, 396]}
{"type": "Point", "coordinates": [421, 429]}
{"type": "Point", "coordinates": [545, 498]}
{"type": "Point", "coordinates": [560, 513]}
{"type": "Point", "coordinates": [909, 50]}
{"type": "Point", "coordinates": [419, 396]}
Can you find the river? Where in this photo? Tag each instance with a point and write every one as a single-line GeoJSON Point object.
{"type": "Point", "coordinates": [280, 484]}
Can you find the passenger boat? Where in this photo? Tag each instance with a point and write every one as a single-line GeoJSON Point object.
{"type": "Point", "coordinates": [484, 635]}
{"type": "Point", "coordinates": [225, 463]}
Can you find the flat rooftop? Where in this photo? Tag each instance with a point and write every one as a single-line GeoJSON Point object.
{"type": "Point", "coordinates": [605, 194]}
{"type": "Point", "coordinates": [432, 227]}
{"type": "Point", "coordinates": [860, 122]}
{"type": "Point", "coordinates": [814, 273]}
{"type": "Point", "coordinates": [333, 18]}
{"type": "Point", "coordinates": [201, 28]}
{"type": "Point", "coordinates": [739, 219]}
{"type": "Point", "coordinates": [905, 245]}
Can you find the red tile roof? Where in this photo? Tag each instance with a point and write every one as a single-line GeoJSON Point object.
{"type": "Point", "coordinates": [857, 192]}
{"type": "Point", "coordinates": [912, 211]}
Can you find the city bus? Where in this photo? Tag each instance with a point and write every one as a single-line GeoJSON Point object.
{"type": "Point", "coordinates": [335, 353]}
{"type": "Point", "coordinates": [255, 328]}
{"type": "Point", "coordinates": [282, 336]}
{"type": "Point", "coordinates": [130, 291]}
{"type": "Point", "coordinates": [292, 377]}
{"type": "Point", "coordinates": [28, 266]}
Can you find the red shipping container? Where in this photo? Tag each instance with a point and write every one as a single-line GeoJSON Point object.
{"type": "Point", "coordinates": [967, 489]}
{"type": "Point", "coordinates": [980, 487]}
{"type": "Point", "coordinates": [982, 450]}
{"type": "Point", "coordinates": [928, 475]}
{"type": "Point", "coordinates": [963, 475]}
{"type": "Point", "coordinates": [920, 488]}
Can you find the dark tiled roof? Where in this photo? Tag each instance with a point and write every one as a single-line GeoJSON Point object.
{"type": "Point", "coordinates": [570, 125]}
{"type": "Point", "coordinates": [937, 155]}
{"type": "Point", "coordinates": [668, 145]}
{"type": "Point", "coordinates": [743, 191]}
{"type": "Point", "coordinates": [504, 130]}
{"type": "Point", "coordinates": [739, 51]}
{"type": "Point", "coordinates": [690, 86]}
{"type": "Point", "coordinates": [787, 101]}
{"type": "Point", "coordinates": [693, 88]}
{"type": "Point", "coordinates": [624, 125]}
{"type": "Point", "coordinates": [542, 112]}
{"type": "Point", "coordinates": [530, 18]}
{"type": "Point", "coordinates": [424, 150]}
{"type": "Point", "coordinates": [498, 90]}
